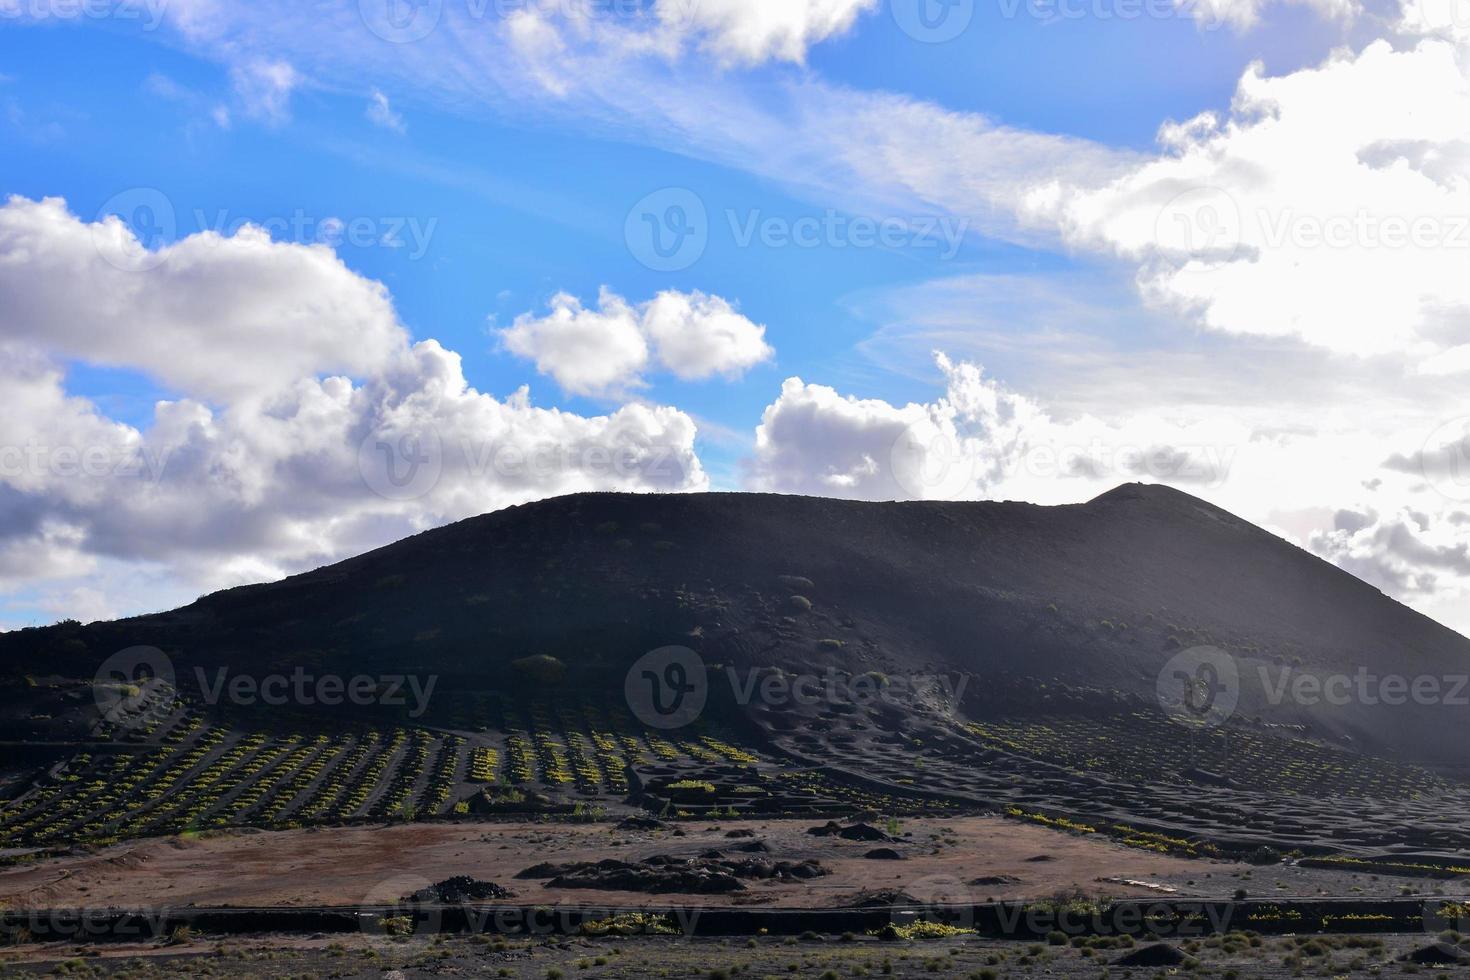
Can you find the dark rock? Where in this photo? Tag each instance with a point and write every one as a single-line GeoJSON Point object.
{"type": "Point", "coordinates": [640, 823]}
{"type": "Point", "coordinates": [460, 889]}
{"type": "Point", "coordinates": [863, 832]}
{"type": "Point", "coordinates": [648, 878]}
{"type": "Point", "coordinates": [664, 873]}
{"type": "Point", "coordinates": [987, 881]}
{"type": "Point", "coordinates": [1438, 954]}
{"type": "Point", "coordinates": [544, 870]}
{"type": "Point", "coordinates": [739, 833]}
{"type": "Point", "coordinates": [1159, 954]}
{"type": "Point", "coordinates": [857, 831]}
{"type": "Point", "coordinates": [882, 898]}
{"type": "Point", "coordinates": [884, 854]}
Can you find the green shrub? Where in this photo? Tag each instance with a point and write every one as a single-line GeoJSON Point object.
{"type": "Point", "coordinates": [692, 786]}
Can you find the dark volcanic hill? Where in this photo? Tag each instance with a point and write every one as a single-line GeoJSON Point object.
{"type": "Point", "coordinates": [1083, 599]}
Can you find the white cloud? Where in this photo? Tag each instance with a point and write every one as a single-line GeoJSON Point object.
{"type": "Point", "coordinates": [606, 350]}
{"type": "Point", "coordinates": [1333, 205]}
{"type": "Point", "coordinates": [1407, 553]}
{"type": "Point", "coordinates": [380, 113]}
{"type": "Point", "coordinates": [698, 336]}
{"type": "Point", "coordinates": [264, 87]}
{"type": "Point", "coordinates": [816, 441]}
{"type": "Point", "coordinates": [744, 33]}
{"type": "Point", "coordinates": [588, 352]}
{"type": "Point", "coordinates": [752, 31]}
{"type": "Point", "coordinates": [876, 154]}
{"type": "Point", "coordinates": [1244, 14]}
{"type": "Point", "coordinates": [540, 49]}
{"type": "Point", "coordinates": [979, 440]}
{"type": "Point", "coordinates": [1436, 18]}
{"type": "Point", "coordinates": [212, 316]}
{"type": "Point", "coordinates": [273, 477]}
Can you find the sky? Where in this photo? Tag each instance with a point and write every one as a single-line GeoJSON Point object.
{"type": "Point", "coordinates": [284, 282]}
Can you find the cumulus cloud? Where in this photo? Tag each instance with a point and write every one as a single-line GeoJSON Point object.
{"type": "Point", "coordinates": [1404, 553]}
{"type": "Point", "coordinates": [588, 351]}
{"type": "Point", "coordinates": [752, 31]}
{"type": "Point", "coordinates": [697, 336]}
{"type": "Point", "coordinates": [1319, 209]}
{"type": "Point", "coordinates": [262, 479]}
{"type": "Point", "coordinates": [605, 350]}
{"type": "Point", "coordinates": [979, 440]}
{"type": "Point", "coordinates": [212, 316]}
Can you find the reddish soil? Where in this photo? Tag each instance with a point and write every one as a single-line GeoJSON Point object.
{"type": "Point", "coordinates": [377, 865]}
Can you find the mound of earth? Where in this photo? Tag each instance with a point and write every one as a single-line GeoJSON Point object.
{"type": "Point", "coordinates": [881, 898]}
{"type": "Point", "coordinates": [857, 831]}
{"type": "Point", "coordinates": [883, 854]}
{"type": "Point", "coordinates": [663, 874]}
{"type": "Point", "coordinates": [1438, 954]}
{"type": "Point", "coordinates": [1086, 597]}
{"type": "Point", "coordinates": [1158, 954]}
{"type": "Point", "coordinates": [461, 889]}
{"type": "Point", "coordinates": [640, 823]}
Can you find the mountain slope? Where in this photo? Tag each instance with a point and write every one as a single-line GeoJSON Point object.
{"type": "Point", "coordinates": [1091, 596]}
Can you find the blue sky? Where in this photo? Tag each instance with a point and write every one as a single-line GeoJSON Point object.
{"type": "Point", "coordinates": [482, 171]}
{"type": "Point", "coordinates": [517, 210]}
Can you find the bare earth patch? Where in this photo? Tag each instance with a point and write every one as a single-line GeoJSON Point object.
{"type": "Point", "coordinates": [352, 865]}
